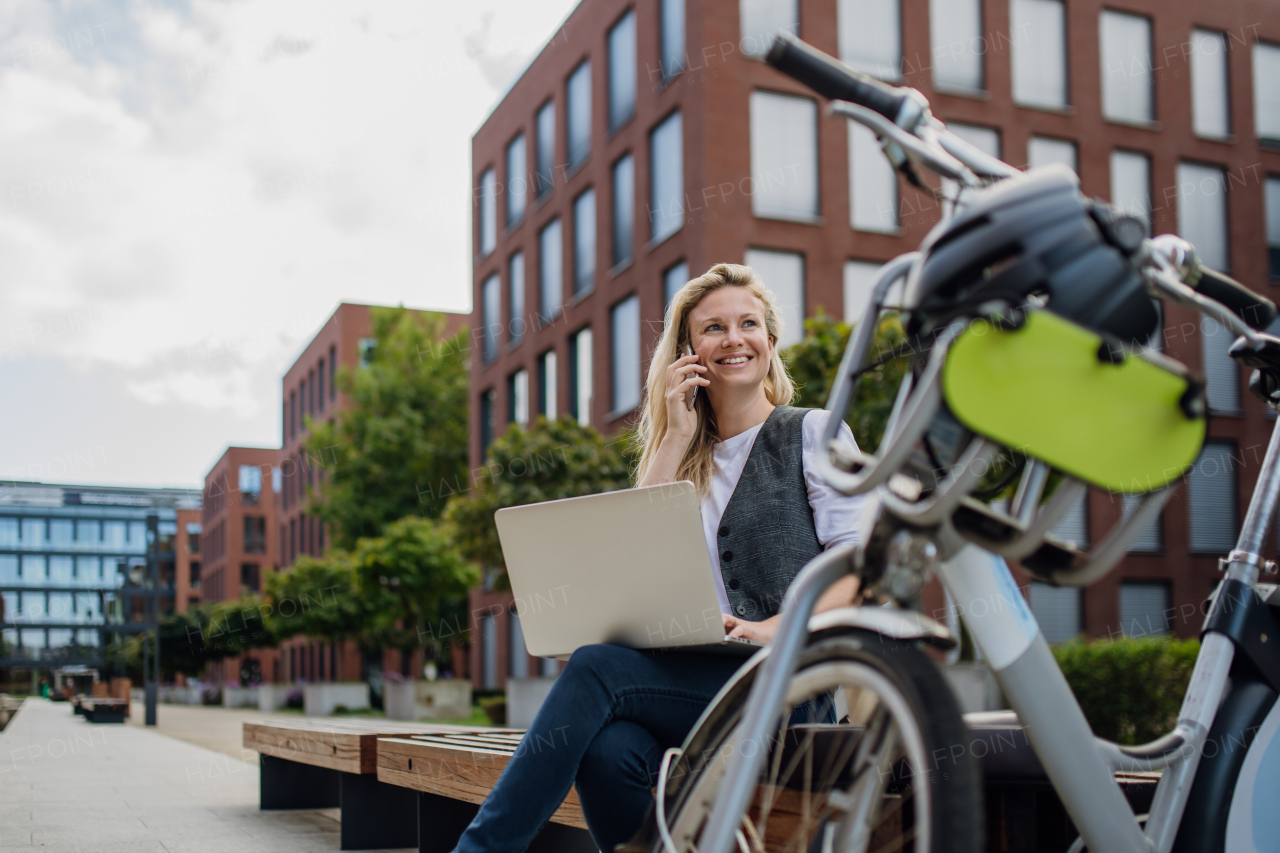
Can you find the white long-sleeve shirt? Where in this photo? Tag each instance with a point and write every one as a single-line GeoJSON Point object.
{"type": "Point", "coordinates": [835, 515]}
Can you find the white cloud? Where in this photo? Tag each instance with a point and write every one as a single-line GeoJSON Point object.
{"type": "Point", "coordinates": [186, 193]}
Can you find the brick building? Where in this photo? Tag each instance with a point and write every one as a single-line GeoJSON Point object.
{"type": "Point", "coordinates": [646, 142]}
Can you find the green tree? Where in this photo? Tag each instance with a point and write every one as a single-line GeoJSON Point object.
{"type": "Point", "coordinates": [234, 626]}
{"type": "Point", "coordinates": [550, 460]}
{"type": "Point", "coordinates": [319, 598]}
{"type": "Point", "coordinates": [419, 581]}
{"type": "Point", "coordinates": [404, 433]}
{"type": "Point", "coordinates": [813, 361]}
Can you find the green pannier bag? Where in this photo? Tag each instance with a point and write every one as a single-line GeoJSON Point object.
{"type": "Point", "coordinates": [1127, 421]}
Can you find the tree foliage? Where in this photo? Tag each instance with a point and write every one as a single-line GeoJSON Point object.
{"type": "Point", "coordinates": [318, 598]}
{"type": "Point", "coordinates": [813, 361]}
{"type": "Point", "coordinates": [550, 460]}
{"type": "Point", "coordinates": [405, 430]}
{"type": "Point", "coordinates": [420, 583]}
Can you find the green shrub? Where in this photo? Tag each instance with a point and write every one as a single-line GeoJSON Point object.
{"type": "Point", "coordinates": [495, 708]}
{"type": "Point", "coordinates": [1130, 689]}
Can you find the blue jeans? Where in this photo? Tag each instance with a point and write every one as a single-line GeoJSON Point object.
{"type": "Point", "coordinates": [606, 723]}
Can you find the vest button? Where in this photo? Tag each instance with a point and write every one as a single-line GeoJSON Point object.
{"type": "Point", "coordinates": [742, 610]}
{"type": "Point", "coordinates": [733, 584]}
{"type": "Point", "coordinates": [727, 556]}
{"type": "Point", "coordinates": [724, 531]}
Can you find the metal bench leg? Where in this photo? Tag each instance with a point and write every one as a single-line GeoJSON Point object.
{"type": "Point", "coordinates": [441, 822]}
{"type": "Point", "coordinates": [284, 784]}
{"type": "Point", "coordinates": [376, 815]}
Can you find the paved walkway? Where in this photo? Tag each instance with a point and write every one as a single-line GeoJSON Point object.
{"type": "Point", "coordinates": [210, 726]}
{"type": "Point", "coordinates": [68, 786]}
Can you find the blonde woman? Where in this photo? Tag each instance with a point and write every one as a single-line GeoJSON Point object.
{"type": "Point", "coordinates": [717, 414]}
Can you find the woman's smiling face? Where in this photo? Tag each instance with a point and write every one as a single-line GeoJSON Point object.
{"type": "Point", "coordinates": [727, 329]}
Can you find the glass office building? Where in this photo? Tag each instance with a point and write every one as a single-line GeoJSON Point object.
{"type": "Point", "coordinates": [73, 568]}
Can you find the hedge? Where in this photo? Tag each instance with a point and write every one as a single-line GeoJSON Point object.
{"type": "Point", "coordinates": [1131, 689]}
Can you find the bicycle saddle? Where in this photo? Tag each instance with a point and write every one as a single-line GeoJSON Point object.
{"type": "Point", "coordinates": [1035, 235]}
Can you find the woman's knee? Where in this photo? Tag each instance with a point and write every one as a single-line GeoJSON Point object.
{"type": "Point", "coordinates": [622, 752]}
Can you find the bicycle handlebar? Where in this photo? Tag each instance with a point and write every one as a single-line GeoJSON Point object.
{"type": "Point", "coordinates": [1257, 311]}
{"type": "Point", "coordinates": [832, 79]}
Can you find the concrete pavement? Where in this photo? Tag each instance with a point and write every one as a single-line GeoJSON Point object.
{"type": "Point", "coordinates": [68, 786]}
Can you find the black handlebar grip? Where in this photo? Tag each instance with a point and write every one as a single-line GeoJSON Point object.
{"type": "Point", "coordinates": [831, 78]}
{"type": "Point", "coordinates": [1257, 311]}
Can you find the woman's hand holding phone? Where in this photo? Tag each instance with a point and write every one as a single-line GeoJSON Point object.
{"type": "Point", "coordinates": [683, 378]}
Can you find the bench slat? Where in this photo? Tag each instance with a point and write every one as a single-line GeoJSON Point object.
{"type": "Point", "coordinates": [460, 772]}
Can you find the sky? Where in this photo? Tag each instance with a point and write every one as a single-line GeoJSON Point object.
{"type": "Point", "coordinates": [189, 189]}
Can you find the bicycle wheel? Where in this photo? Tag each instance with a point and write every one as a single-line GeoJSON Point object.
{"type": "Point", "coordinates": [894, 774]}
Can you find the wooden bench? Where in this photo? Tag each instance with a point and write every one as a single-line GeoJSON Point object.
{"type": "Point", "coordinates": [313, 763]}
{"type": "Point", "coordinates": [96, 709]}
{"type": "Point", "coordinates": [453, 772]}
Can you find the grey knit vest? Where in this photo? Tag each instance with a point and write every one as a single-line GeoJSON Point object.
{"type": "Point", "coordinates": [766, 534]}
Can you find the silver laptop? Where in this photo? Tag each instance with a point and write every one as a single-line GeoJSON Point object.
{"type": "Point", "coordinates": [628, 567]}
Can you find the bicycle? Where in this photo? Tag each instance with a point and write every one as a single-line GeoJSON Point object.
{"type": "Point", "coordinates": [895, 771]}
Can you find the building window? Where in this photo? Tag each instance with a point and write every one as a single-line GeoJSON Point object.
{"type": "Point", "coordinates": [550, 271]}
{"type": "Point", "coordinates": [784, 156]}
{"type": "Point", "coordinates": [518, 398]}
{"type": "Point", "coordinates": [293, 539]}
{"type": "Point", "coordinates": [673, 279]}
{"type": "Point", "coordinates": [488, 652]}
{"type": "Point", "coordinates": [491, 298]}
{"type": "Point", "coordinates": [546, 129]}
{"type": "Point", "coordinates": [955, 36]}
{"type": "Point", "coordinates": [1074, 525]}
{"type": "Point", "coordinates": [1220, 370]}
{"type": "Point", "coordinates": [622, 71]}
{"type": "Point", "coordinates": [515, 287]}
{"type": "Point", "coordinates": [311, 393]}
{"type": "Point", "coordinates": [1266, 91]}
{"type": "Point", "coordinates": [365, 348]}
{"type": "Point", "coordinates": [517, 179]}
{"type": "Point", "coordinates": [1127, 75]}
{"type": "Point", "coordinates": [763, 19]}
{"type": "Point", "coordinates": [194, 574]}
{"type": "Point", "coordinates": [1212, 503]}
{"type": "Point", "coordinates": [249, 577]}
{"type": "Point", "coordinates": [584, 242]}
{"type": "Point", "coordinates": [486, 421]}
{"type": "Point", "coordinates": [488, 212]}
{"type": "Point", "coordinates": [578, 113]}
{"type": "Point", "coordinates": [1144, 608]}
{"type": "Point", "coordinates": [870, 36]}
{"type": "Point", "coordinates": [255, 534]}
{"type": "Point", "coordinates": [250, 484]}
{"type": "Point", "coordinates": [1202, 212]}
{"type": "Point", "coordinates": [1272, 195]}
{"type": "Point", "coordinates": [1210, 109]}
{"type": "Point", "coordinates": [293, 414]}
{"type": "Point", "coordinates": [783, 273]}
{"type": "Point", "coordinates": [625, 355]}
{"type": "Point", "coordinates": [581, 380]}
{"type": "Point", "coordinates": [1039, 46]}
{"type": "Point", "coordinates": [666, 177]}
{"type": "Point", "coordinates": [323, 386]}
{"type": "Point", "coordinates": [873, 183]}
{"type": "Point", "coordinates": [672, 37]}
{"type": "Point", "coordinates": [1149, 541]}
{"type": "Point", "coordinates": [547, 398]}
{"type": "Point", "coordinates": [517, 654]}
{"type": "Point", "coordinates": [1057, 610]}
{"type": "Point", "coordinates": [1131, 185]}
{"type": "Point", "coordinates": [624, 208]}
{"type": "Point", "coordinates": [1042, 151]}
{"type": "Point", "coordinates": [859, 278]}
{"type": "Point", "coordinates": [193, 537]}
{"type": "Point", "coordinates": [333, 373]}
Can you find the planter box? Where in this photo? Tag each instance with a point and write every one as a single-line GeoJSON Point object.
{"type": "Point", "coordinates": [271, 697]}
{"type": "Point", "coordinates": [524, 697]}
{"type": "Point", "coordinates": [240, 697]}
{"type": "Point", "coordinates": [445, 699]}
{"type": "Point", "coordinates": [319, 700]}
{"type": "Point", "coordinates": [975, 687]}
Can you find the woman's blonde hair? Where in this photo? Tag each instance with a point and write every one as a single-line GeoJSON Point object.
{"type": "Point", "coordinates": [698, 463]}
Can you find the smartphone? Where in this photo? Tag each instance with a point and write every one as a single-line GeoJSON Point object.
{"type": "Point", "coordinates": [688, 350]}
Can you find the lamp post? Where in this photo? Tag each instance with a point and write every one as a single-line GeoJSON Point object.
{"type": "Point", "coordinates": [151, 676]}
